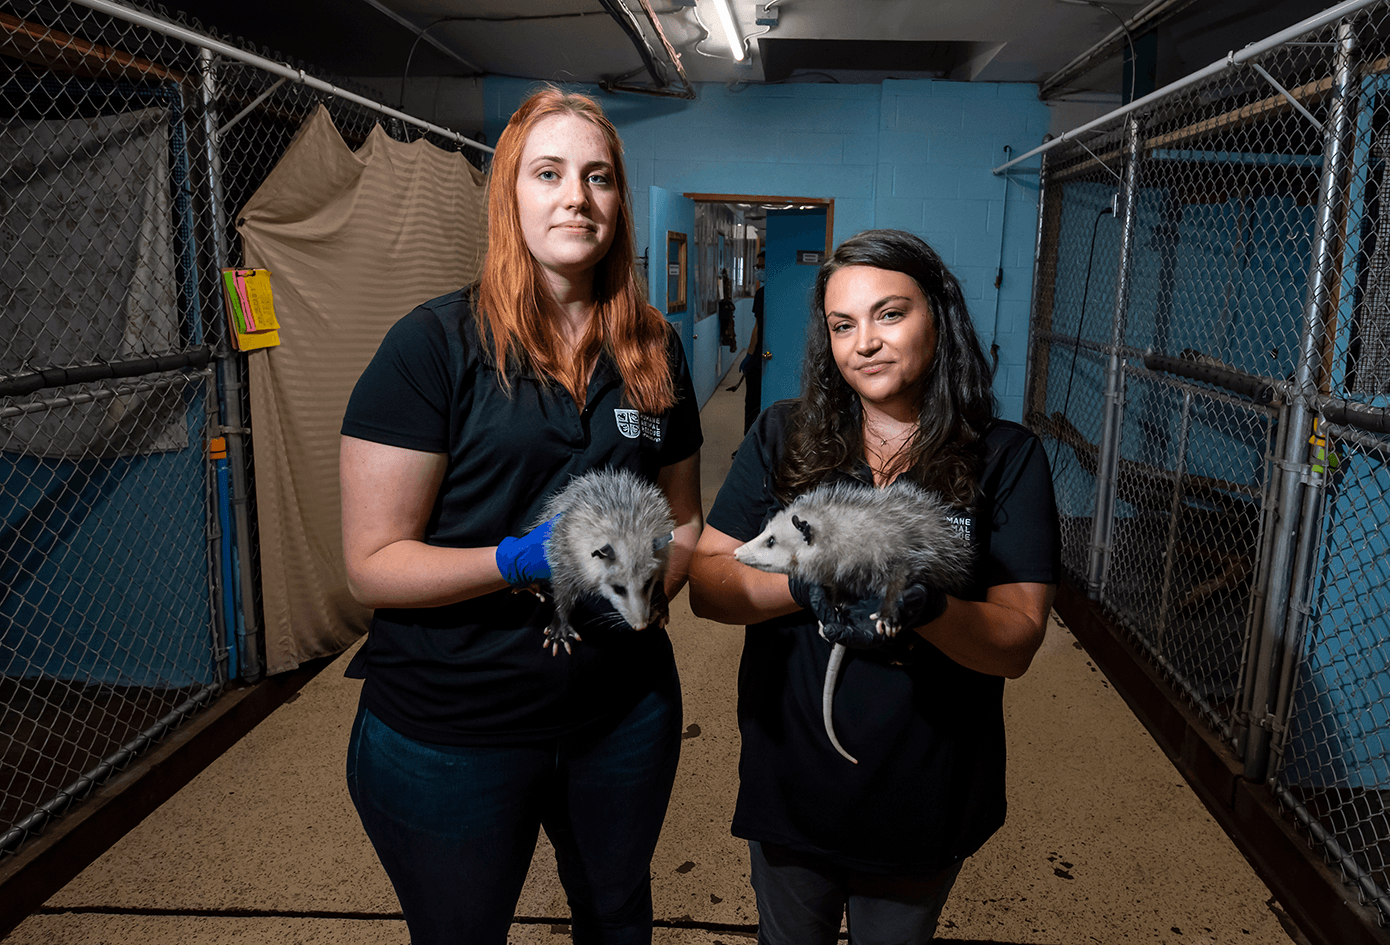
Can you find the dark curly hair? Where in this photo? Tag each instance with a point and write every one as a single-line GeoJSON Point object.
{"type": "Point", "coordinates": [957, 406]}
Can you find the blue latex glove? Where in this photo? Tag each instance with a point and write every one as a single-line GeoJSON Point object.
{"type": "Point", "coordinates": [522, 560]}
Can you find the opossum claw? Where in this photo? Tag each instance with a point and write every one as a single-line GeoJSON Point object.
{"type": "Point", "coordinates": [886, 628]}
{"type": "Point", "coordinates": [557, 635]}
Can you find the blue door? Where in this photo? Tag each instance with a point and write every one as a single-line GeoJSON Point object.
{"type": "Point", "coordinates": [791, 280]}
{"type": "Point", "coordinates": [671, 267]}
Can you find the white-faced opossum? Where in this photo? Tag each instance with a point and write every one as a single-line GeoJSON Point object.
{"type": "Point", "coordinates": [856, 540]}
{"type": "Point", "coordinates": [613, 538]}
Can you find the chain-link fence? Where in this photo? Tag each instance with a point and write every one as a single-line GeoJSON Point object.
{"type": "Point", "coordinates": [128, 590]}
{"type": "Point", "coordinates": [1210, 370]}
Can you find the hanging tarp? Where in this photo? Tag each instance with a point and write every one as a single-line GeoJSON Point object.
{"type": "Point", "coordinates": [87, 276]}
{"type": "Point", "coordinates": [353, 241]}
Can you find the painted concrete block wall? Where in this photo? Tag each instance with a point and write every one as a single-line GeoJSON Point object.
{"type": "Point", "coordinates": [915, 155]}
{"type": "Point", "coordinates": [705, 349]}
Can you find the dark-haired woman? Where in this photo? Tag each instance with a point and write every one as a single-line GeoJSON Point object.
{"type": "Point", "coordinates": [479, 405]}
{"type": "Point", "coordinates": [893, 384]}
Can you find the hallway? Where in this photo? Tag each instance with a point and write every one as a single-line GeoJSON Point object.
{"type": "Point", "coordinates": [1105, 843]}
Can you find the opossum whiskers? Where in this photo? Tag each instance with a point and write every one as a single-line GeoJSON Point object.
{"type": "Point", "coordinates": [611, 541]}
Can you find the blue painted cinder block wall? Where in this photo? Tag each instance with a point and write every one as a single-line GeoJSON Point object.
{"type": "Point", "coordinates": [915, 155]}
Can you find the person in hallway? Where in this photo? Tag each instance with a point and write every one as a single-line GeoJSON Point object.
{"type": "Point", "coordinates": [894, 383]}
{"type": "Point", "coordinates": [470, 736]}
{"type": "Point", "coordinates": [727, 335]}
{"type": "Point", "coordinates": [753, 362]}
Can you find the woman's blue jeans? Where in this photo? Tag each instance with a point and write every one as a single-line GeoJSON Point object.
{"type": "Point", "coordinates": [455, 827]}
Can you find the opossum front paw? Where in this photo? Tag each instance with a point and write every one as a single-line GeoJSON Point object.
{"type": "Point", "coordinates": [661, 612]}
{"type": "Point", "coordinates": [558, 635]}
{"type": "Point", "coordinates": [884, 628]}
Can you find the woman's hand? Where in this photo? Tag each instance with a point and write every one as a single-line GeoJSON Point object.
{"type": "Point", "coordinates": [860, 624]}
{"type": "Point", "coordinates": [523, 560]}
{"type": "Point", "coordinates": [388, 496]}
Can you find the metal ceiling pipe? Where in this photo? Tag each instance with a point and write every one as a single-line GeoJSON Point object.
{"type": "Point", "coordinates": [653, 66]}
{"type": "Point", "coordinates": [1233, 59]}
{"type": "Point", "coordinates": [625, 20]}
{"type": "Point", "coordinates": [1147, 18]}
{"type": "Point", "coordinates": [174, 31]}
{"type": "Point", "coordinates": [420, 32]}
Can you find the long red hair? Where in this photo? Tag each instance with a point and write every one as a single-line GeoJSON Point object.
{"type": "Point", "coordinates": [512, 291]}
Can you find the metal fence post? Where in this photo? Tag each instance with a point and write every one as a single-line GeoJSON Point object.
{"type": "Point", "coordinates": [1174, 514]}
{"type": "Point", "coordinates": [1295, 483]}
{"type": "Point", "coordinates": [229, 373]}
{"type": "Point", "coordinates": [1030, 367]}
{"type": "Point", "coordinates": [1103, 524]}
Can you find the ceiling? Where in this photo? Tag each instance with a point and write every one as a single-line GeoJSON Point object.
{"type": "Point", "coordinates": [380, 43]}
{"type": "Point", "coordinates": [812, 41]}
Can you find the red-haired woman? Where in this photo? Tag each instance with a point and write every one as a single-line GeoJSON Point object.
{"type": "Point", "coordinates": [479, 405]}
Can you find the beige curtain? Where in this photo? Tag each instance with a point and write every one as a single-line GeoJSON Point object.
{"type": "Point", "coordinates": [353, 241]}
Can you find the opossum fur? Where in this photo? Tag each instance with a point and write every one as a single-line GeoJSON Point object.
{"type": "Point", "coordinates": [613, 538]}
{"type": "Point", "coordinates": [856, 540]}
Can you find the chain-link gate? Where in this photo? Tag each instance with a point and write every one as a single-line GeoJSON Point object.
{"type": "Point", "coordinates": [128, 588]}
{"type": "Point", "coordinates": [1210, 371]}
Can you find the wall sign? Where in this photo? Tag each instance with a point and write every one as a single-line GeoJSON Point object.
{"type": "Point", "coordinates": [676, 262]}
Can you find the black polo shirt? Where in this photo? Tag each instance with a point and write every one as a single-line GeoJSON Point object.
{"type": "Point", "coordinates": [928, 733]}
{"type": "Point", "coordinates": [475, 672]}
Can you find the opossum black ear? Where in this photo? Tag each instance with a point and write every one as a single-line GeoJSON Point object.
{"type": "Point", "coordinates": [804, 527]}
{"type": "Point", "coordinates": [605, 552]}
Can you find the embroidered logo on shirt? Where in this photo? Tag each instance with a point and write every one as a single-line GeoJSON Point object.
{"type": "Point", "coordinates": [964, 524]}
{"type": "Point", "coordinates": [632, 424]}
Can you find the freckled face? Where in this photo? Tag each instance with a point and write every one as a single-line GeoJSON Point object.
{"type": "Point", "coordinates": [882, 335]}
{"type": "Point", "coordinates": [566, 196]}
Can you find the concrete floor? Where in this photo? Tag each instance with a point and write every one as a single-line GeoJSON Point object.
{"type": "Point", "coordinates": [1104, 844]}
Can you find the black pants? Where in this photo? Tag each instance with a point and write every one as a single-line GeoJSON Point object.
{"type": "Point", "coordinates": [802, 897]}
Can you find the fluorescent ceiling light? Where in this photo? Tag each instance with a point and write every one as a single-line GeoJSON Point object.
{"type": "Point", "coordinates": [726, 17]}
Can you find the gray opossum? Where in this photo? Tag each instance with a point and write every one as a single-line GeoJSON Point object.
{"type": "Point", "coordinates": [855, 540]}
{"type": "Point", "coordinates": [613, 538]}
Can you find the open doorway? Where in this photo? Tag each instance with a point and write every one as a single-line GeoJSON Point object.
{"type": "Point", "coordinates": [794, 234]}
